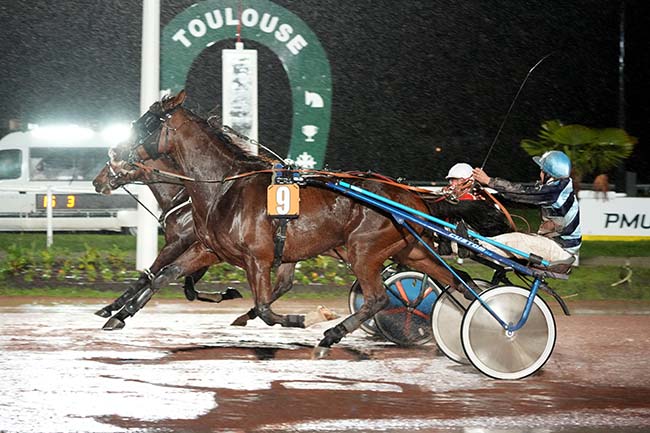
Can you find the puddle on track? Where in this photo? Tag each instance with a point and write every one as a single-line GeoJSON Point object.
{"type": "Point", "coordinates": [180, 367]}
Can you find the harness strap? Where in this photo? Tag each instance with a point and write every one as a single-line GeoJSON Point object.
{"type": "Point", "coordinates": [163, 218]}
{"type": "Point", "coordinates": [340, 175]}
{"type": "Point", "coordinates": [278, 241]}
{"type": "Point", "coordinates": [162, 172]}
{"type": "Point", "coordinates": [150, 275]}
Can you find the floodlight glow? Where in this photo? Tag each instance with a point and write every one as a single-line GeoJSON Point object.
{"type": "Point", "coordinates": [116, 133]}
{"type": "Point", "coordinates": [62, 132]}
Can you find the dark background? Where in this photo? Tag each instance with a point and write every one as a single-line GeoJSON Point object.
{"type": "Point", "coordinates": [407, 76]}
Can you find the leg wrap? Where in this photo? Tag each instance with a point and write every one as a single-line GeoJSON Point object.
{"type": "Point", "coordinates": [333, 335]}
{"type": "Point", "coordinates": [264, 312]}
{"type": "Point", "coordinates": [350, 324]}
{"type": "Point", "coordinates": [136, 304]}
{"type": "Point", "coordinates": [141, 282]}
{"type": "Point", "coordinates": [295, 321]}
{"type": "Point", "coordinates": [231, 293]}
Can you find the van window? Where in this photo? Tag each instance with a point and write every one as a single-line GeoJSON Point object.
{"type": "Point", "coordinates": [10, 163]}
{"type": "Point", "coordinates": [79, 163]}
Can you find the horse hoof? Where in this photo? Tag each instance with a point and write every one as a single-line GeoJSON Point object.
{"type": "Point", "coordinates": [232, 293]}
{"type": "Point", "coordinates": [113, 324]}
{"type": "Point", "coordinates": [209, 297]}
{"type": "Point", "coordinates": [320, 352]}
{"type": "Point", "coordinates": [240, 321]}
{"type": "Point", "coordinates": [190, 294]}
{"type": "Point", "coordinates": [103, 313]}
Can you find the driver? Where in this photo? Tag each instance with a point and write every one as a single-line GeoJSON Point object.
{"type": "Point", "coordinates": [461, 182]}
{"type": "Point", "coordinates": [559, 236]}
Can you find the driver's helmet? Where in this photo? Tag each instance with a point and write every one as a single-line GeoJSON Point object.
{"type": "Point", "coordinates": [554, 163]}
{"type": "Point", "coordinates": [461, 170]}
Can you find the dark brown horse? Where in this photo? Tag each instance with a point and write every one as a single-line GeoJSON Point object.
{"type": "Point", "coordinates": [230, 217]}
{"type": "Point", "coordinates": [178, 226]}
{"type": "Point", "coordinates": [177, 223]}
{"type": "Point", "coordinates": [176, 220]}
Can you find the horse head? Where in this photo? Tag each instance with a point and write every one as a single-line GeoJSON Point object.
{"type": "Point", "coordinates": [116, 172]}
{"type": "Point", "coordinates": [149, 141]}
{"type": "Point", "coordinates": [168, 129]}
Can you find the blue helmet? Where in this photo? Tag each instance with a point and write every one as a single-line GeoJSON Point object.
{"type": "Point", "coordinates": [554, 163]}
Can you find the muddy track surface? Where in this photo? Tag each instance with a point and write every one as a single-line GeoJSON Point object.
{"type": "Point", "coordinates": [179, 366]}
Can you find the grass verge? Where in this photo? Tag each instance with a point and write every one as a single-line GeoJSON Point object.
{"type": "Point", "coordinates": [27, 268]}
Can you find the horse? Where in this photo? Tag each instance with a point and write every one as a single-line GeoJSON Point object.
{"type": "Point", "coordinates": [176, 220]}
{"type": "Point", "coordinates": [179, 235]}
{"type": "Point", "coordinates": [228, 188]}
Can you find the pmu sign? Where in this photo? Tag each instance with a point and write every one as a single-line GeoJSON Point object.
{"type": "Point", "coordinates": [617, 218]}
{"type": "Point", "coordinates": [284, 33]}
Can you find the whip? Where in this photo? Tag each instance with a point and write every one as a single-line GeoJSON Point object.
{"type": "Point", "coordinates": [512, 105]}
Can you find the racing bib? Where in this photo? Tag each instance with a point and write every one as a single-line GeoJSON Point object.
{"type": "Point", "coordinates": [283, 200]}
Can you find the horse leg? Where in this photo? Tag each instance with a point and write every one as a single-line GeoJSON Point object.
{"type": "Point", "coordinates": [118, 303]}
{"type": "Point", "coordinates": [367, 269]}
{"type": "Point", "coordinates": [366, 258]}
{"type": "Point", "coordinates": [259, 277]}
{"type": "Point", "coordinates": [167, 254]}
{"type": "Point", "coordinates": [192, 294]}
{"type": "Point", "coordinates": [195, 258]}
{"type": "Point", "coordinates": [283, 283]}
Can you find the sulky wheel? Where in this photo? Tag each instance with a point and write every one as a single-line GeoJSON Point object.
{"type": "Point", "coordinates": [446, 319]}
{"type": "Point", "coordinates": [406, 319]}
{"type": "Point", "coordinates": [508, 355]}
{"type": "Point", "coordinates": [355, 301]}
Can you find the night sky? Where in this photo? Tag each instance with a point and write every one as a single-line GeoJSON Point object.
{"type": "Point", "coordinates": [407, 76]}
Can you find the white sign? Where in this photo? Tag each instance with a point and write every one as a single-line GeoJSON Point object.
{"type": "Point", "coordinates": [240, 91]}
{"type": "Point", "coordinates": [614, 217]}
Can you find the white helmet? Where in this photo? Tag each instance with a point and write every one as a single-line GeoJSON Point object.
{"type": "Point", "coordinates": [461, 170]}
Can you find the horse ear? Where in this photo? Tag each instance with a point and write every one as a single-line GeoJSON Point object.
{"type": "Point", "coordinates": [180, 98]}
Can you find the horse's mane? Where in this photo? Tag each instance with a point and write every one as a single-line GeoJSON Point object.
{"type": "Point", "coordinates": [241, 154]}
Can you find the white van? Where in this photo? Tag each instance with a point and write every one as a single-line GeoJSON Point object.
{"type": "Point", "coordinates": [34, 161]}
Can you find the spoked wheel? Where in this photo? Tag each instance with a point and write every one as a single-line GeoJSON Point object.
{"type": "Point", "coordinates": [446, 320]}
{"type": "Point", "coordinates": [406, 319]}
{"type": "Point", "coordinates": [355, 301]}
{"type": "Point", "coordinates": [508, 355]}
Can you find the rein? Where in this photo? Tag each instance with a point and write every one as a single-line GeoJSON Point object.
{"type": "Point", "coordinates": [374, 177]}
{"type": "Point", "coordinates": [342, 175]}
{"type": "Point", "coordinates": [501, 207]}
{"type": "Point", "coordinates": [139, 202]}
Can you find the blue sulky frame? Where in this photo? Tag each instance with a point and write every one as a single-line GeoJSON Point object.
{"type": "Point", "coordinates": [403, 215]}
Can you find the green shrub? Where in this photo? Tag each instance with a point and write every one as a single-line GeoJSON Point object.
{"type": "Point", "coordinates": [17, 260]}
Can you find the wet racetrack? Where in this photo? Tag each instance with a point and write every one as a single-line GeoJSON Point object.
{"type": "Point", "coordinates": [178, 366]}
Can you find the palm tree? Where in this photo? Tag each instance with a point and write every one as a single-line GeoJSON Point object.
{"type": "Point", "coordinates": [591, 150]}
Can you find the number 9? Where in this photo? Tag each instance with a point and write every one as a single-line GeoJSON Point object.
{"type": "Point", "coordinates": [283, 200]}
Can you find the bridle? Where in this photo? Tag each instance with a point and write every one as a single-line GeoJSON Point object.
{"type": "Point", "coordinates": [113, 176]}
{"type": "Point", "coordinates": [149, 135]}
